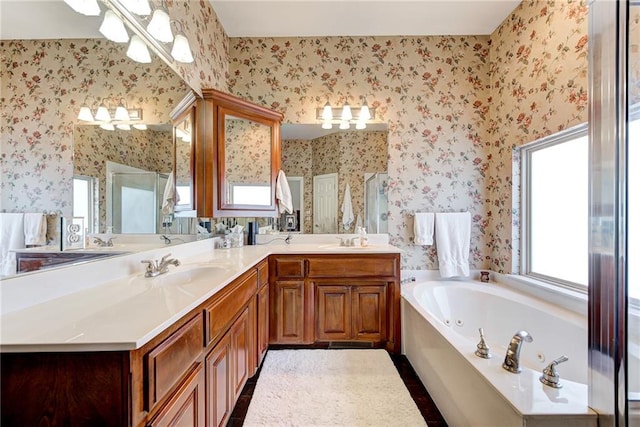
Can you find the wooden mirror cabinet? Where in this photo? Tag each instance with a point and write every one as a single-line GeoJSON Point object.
{"type": "Point", "coordinates": [236, 154]}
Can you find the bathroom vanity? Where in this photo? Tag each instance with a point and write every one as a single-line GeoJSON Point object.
{"type": "Point", "coordinates": [178, 348]}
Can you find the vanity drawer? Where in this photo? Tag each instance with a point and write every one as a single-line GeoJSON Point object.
{"type": "Point", "coordinates": [289, 267]}
{"type": "Point", "coordinates": [352, 266]}
{"type": "Point", "coordinates": [223, 310]}
{"type": "Point", "coordinates": [168, 362]}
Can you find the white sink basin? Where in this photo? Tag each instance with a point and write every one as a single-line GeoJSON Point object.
{"type": "Point", "coordinates": [181, 276]}
{"type": "Point", "coordinates": [336, 246]}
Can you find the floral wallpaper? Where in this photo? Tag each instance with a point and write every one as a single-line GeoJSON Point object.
{"type": "Point", "coordinates": [433, 93]}
{"type": "Point", "coordinates": [350, 154]}
{"type": "Point", "coordinates": [44, 83]}
{"type": "Point", "coordinates": [539, 86]}
{"type": "Point", "coordinates": [208, 40]}
{"type": "Point", "coordinates": [450, 103]}
{"type": "Point", "coordinates": [150, 150]}
{"type": "Point", "coordinates": [297, 160]}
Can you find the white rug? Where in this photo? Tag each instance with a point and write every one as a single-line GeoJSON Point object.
{"type": "Point", "coordinates": [331, 388]}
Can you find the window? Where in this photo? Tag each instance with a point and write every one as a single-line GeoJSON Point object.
{"type": "Point", "coordinates": [250, 194]}
{"type": "Point", "coordinates": [555, 208]}
{"type": "Point", "coordinates": [83, 200]}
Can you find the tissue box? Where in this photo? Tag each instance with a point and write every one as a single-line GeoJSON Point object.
{"type": "Point", "coordinates": [237, 240]}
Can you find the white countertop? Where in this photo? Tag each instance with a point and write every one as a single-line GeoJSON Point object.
{"type": "Point", "coordinates": [110, 305]}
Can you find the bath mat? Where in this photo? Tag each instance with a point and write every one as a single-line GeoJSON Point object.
{"type": "Point", "coordinates": [331, 388]}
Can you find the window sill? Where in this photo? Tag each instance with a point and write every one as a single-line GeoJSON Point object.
{"type": "Point", "coordinates": [573, 300]}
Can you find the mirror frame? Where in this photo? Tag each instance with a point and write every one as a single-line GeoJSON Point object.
{"type": "Point", "coordinates": [216, 106]}
{"type": "Point", "coordinates": [186, 109]}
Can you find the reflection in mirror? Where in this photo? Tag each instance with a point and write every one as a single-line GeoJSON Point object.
{"type": "Point", "coordinates": [311, 156]}
{"type": "Point", "coordinates": [247, 162]}
{"type": "Point", "coordinates": [130, 169]}
{"type": "Point", "coordinates": [183, 137]}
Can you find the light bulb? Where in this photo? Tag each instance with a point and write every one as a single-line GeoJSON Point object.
{"type": "Point", "coordinates": [113, 28]}
{"type": "Point", "coordinates": [140, 126]}
{"type": "Point", "coordinates": [123, 126]}
{"type": "Point", "coordinates": [346, 112]}
{"type": "Point", "coordinates": [85, 7]}
{"type": "Point", "coordinates": [365, 114]}
{"type": "Point", "coordinates": [160, 26]}
{"type": "Point", "coordinates": [122, 114]}
{"type": "Point", "coordinates": [181, 51]}
{"type": "Point", "coordinates": [107, 126]}
{"type": "Point", "coordinates": [138, 50]}
{"type": "Point", "coordinates": [327, 112]}
{"type": "Point", "coordinates": [139, 7]}
{"type": "Point", "coordinates": [326, 124]}
{"type": "Point", "coordinates": [344, 125]}
{"type": "Point", "coordinates": [85, 114]}
{"type": "Point", "coordinates": [103, 114]}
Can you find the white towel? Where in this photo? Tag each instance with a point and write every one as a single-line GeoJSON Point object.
{"type": "Point", "coordinates": [283, 194]}
{"type": "Point", "coordinates": [11, 237]}
{"type": "Point", "coordinates": [170, 196]}
{"type": "Point", "coordinates": [347, 208]}
{"type": "Point", "coordinates": [423, 224]}
{"type": "Point", "coordinates": [35, 229]}
{"type": "Point", "coordinates": [453, 239]}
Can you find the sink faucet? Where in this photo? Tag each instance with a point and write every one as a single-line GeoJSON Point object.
{"type": "Point", "coordinates": [155, 268]}
{"type": "Point", "coordinates": [289, 238]}
{"type": "Point", "coordinates": [512, 358]}
{"type": "Point", "coordinates": [101, 243]}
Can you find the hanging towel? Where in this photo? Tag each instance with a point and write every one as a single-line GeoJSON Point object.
{"type": "Point", "coordinates": [423, 224]}
{"type": "Point", "coordinates": [11, 237]}
{"type": "Point", "coordinates": [453, 239]}
{"type": "Point", "coordinates": [283, 194]}
{"type": "Point", "coordinates": [170, 196]}
{"type": "Point", "coordinates": [35, 229]}
{"type": "Point", "coordinates": [347, 208]}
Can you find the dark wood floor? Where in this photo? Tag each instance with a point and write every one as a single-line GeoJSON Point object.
{"type": "Point", "coordinates": [419, 394]}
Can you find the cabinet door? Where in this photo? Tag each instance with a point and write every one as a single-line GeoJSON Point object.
{"type": "Point", "coordinates": [186, 406]}
{"type": "Point", "coordinates": [288, 312]}
{"type": "Point", "coordinates": [240, 334]}
{"type": "Point", "coordinates": [219, 388]}
{"type": "Point", "coordinates": [333, 313]}
{"type": "Point", "coordinates": [263, 324]}
{"type": "Point", "coordinates": [370, 312]}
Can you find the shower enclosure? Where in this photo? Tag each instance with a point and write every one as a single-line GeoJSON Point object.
{"type": "Point", "coordinates": [375, 203]}
{"type": "Point", "coordinates": [134, 202]}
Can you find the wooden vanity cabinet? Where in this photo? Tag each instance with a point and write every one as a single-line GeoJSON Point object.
{"type": "Point", "coordinates": [191, 374]}
{"type": "Point", "coordinates": [336, 298]}
{"type": "Point", "coordinates": [262, 308]}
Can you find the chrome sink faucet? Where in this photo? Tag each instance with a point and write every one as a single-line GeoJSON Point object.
{"type": "Point", "coordinates": [102, 243]}
{"type": "Point", "coordinates": [512, 359]}
{"type": "Point", "coordinates": [155, 268]}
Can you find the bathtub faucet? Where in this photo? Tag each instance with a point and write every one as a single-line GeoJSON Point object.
{"type": "Point", "coordinates": [512, 359]}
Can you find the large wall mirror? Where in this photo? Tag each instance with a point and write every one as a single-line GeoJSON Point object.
{"type": "Point", "coordinates": [318, 164]}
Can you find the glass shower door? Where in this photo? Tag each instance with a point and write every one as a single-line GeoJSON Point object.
{"type": "Point", "coordinates": [376, 203]}
{"type": "Point", "coordinates": [134, 202]}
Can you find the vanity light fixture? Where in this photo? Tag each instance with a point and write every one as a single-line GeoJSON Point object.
{"type": "Point", "coordinates": [138, 51]}
{"type": "Point", "coordinates": [139, 7]}
{"type": "Point", "coordinates": [102, 114]}
{"type": "Point", "coordinates": [140, 126]}
{"type": "Point", "coordinates": [107, 126]}
{"type": "Point", "coordinates": [113, 28]}
{"type": "Point", "coordinates": [345, 116]}
{"type": "Point", "coordinates": [123, 126]}
{"type": "Point", "coordinates": [122, 114]}
{"type": "Point", "coordinates": [160, 25]}
{"type": "Point", "coordinates": [85, 7]}
{"type": "Point", "coordinates": [85, 114]}
{"type": "Point", "coordinates": [108, 119]}
{"type": "Point", "coordinates": [181, 51]}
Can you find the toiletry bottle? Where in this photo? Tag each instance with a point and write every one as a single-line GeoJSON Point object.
{"type": "Point", "coordinates": [364, 239]}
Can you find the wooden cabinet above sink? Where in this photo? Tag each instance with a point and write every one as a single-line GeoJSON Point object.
{"type": "Point", "coordinates": [238, 155]}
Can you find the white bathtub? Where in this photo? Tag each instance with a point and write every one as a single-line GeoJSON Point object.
{"type": "Point", "coordinates": [440, 333]}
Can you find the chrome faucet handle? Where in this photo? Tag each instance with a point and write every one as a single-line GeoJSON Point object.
{"type": "Point", "coordinates": [483, 348]}
{"type": "Point", "coordinates": [550, 376]}
{"type": "Point", "coordinates": [164, 258]}
{"type": "Point", "coordinates": [152, 268]}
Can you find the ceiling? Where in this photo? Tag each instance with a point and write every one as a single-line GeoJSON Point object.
{"type": "Point", "coordinates": [53, 19]}
{"type": "Point", "coordinates": [261, 18]}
